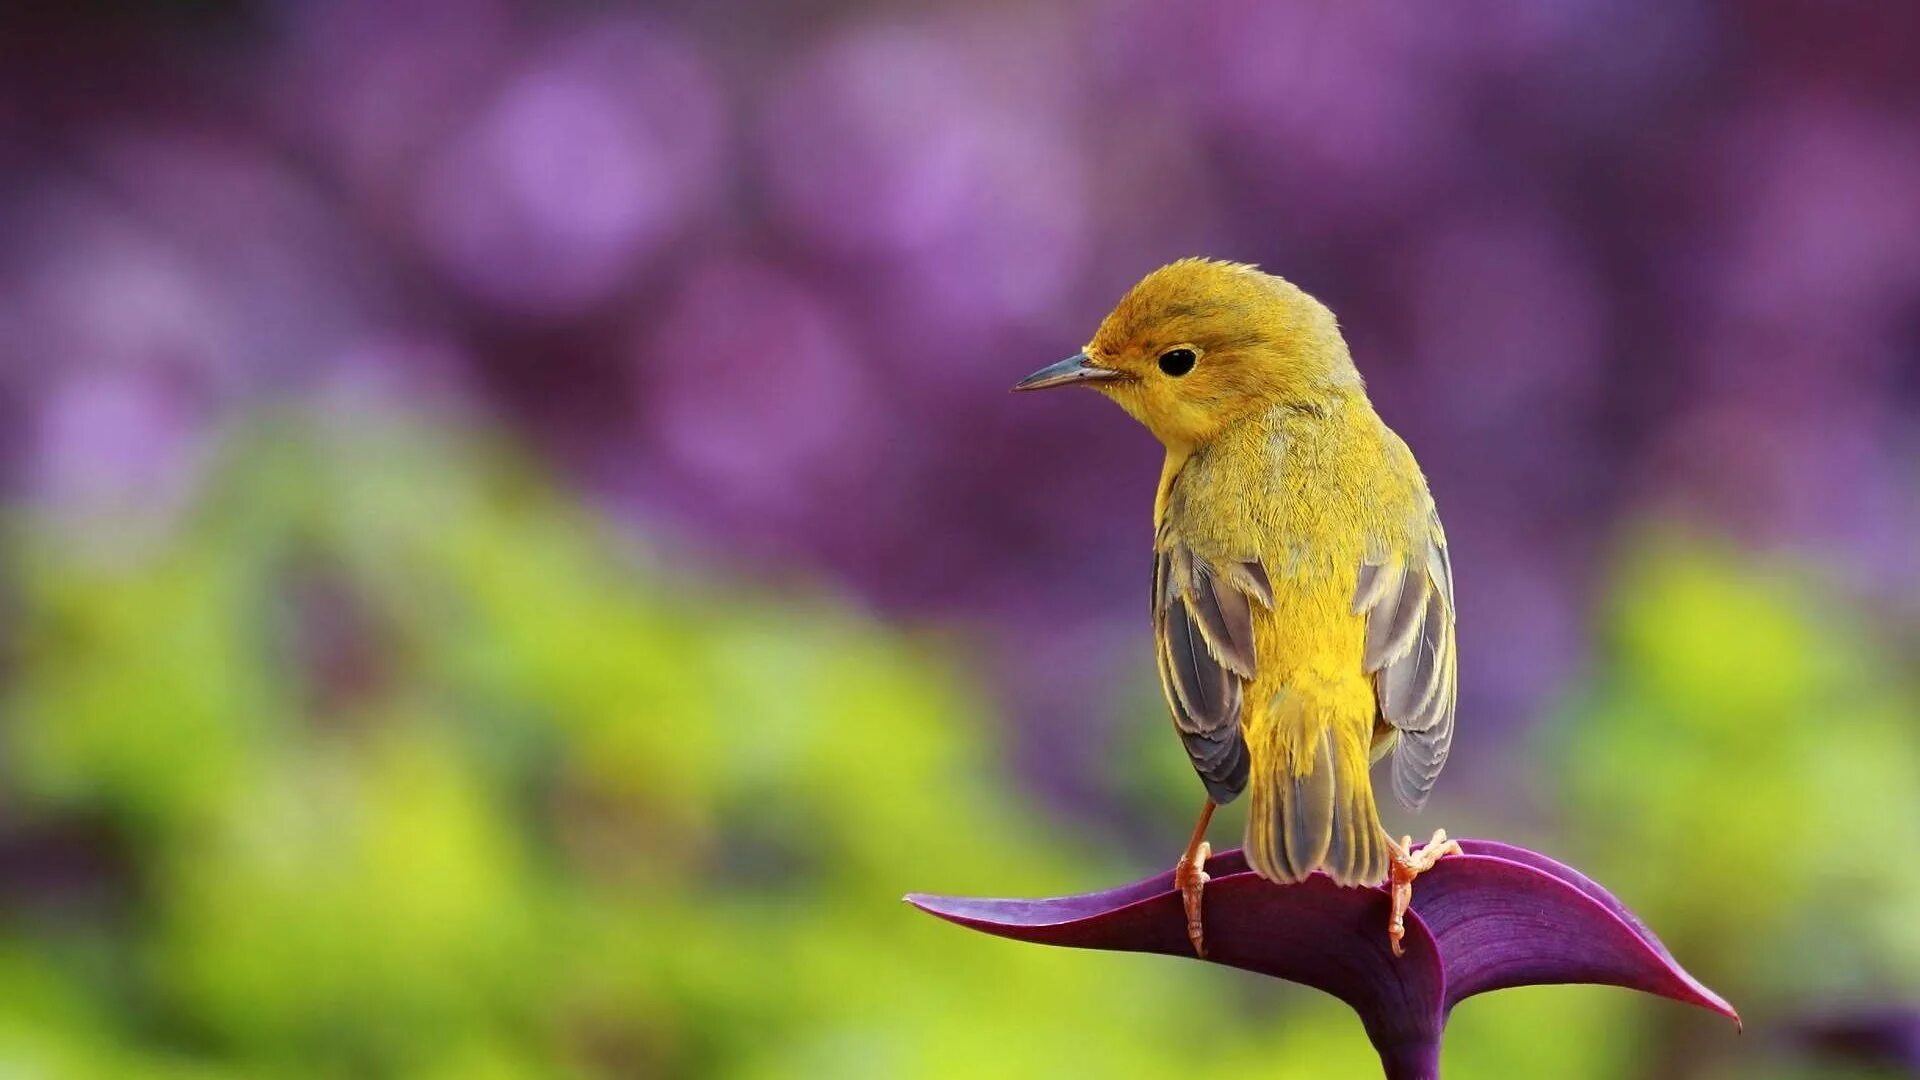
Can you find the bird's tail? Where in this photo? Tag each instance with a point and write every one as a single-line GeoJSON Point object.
{"type": "Point", "coordinates": [1312, 798]}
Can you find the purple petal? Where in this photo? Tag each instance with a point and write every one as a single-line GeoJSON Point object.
{"type": "Point", "coordinates": [1493, 917]}
{"type": "Point", "coordinates": [1498, 850]}
{"type": "Point", "coordinates": [1314, 933]}
{"type": "Point", "coordinates": [1506, 922]}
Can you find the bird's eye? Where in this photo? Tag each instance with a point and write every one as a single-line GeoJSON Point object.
{"type": "Point", "coordinates": [1177, 362]}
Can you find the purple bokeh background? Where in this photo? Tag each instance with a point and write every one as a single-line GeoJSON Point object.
{"type": "Point", "coordinates": [758, 283]}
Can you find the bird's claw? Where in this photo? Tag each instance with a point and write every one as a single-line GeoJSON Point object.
{"type": "Point", "coordinates": [1408, 864]}
{"type": "Point", "coordinates": [1190, 877]}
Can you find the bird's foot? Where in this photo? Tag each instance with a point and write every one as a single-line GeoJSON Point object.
{"type": "Point", "coordinates": [1190, 877]}
{"type": "Point", "coordinates": [1407, 865]}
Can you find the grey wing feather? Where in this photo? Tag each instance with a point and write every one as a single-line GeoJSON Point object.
{"type": "Point", "coordinates": [1225, 617]}
{"type": "Point", "coordinates": [1251, 578]}
{"type": "Point", "coordinates": [1410, 654]}
{"type": "Point", "coordinates": [1206, 689]}
{"type": "Point", "coordinates": [1203, 629]}
{"type": "Point", "coordinates": [1419, 756]}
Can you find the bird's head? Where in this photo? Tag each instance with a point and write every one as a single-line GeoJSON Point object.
{"type": "Point", "coordinates": [1199, 344]}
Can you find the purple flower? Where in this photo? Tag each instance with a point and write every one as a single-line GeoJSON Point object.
{"type": "Point", "coordinates": [756, 445]}
{"type": "Point", "coordinates": [1493, 917]}
{"type": "Point", "coordinates": [602, 148]}
{"type": "Point", "coordinates": [910, 148]}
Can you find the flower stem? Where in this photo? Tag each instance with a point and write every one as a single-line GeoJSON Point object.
{"type": "Point", "coordinates": [1411, 1060]}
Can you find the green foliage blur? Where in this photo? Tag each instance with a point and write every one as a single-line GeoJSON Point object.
{"type": "Point", "coordinates": [392, 760]}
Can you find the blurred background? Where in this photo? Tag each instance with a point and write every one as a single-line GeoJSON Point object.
{"type": "Point", "coordinates": [518, 553]}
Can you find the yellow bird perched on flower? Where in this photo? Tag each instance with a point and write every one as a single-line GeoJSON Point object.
{"type": "Point", "coordinates": [1302, 592]}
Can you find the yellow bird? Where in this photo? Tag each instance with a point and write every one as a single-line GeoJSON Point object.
{"type": "Point", "coordinates": [1302, 593]}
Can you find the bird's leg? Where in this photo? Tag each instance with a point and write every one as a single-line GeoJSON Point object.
{"type": "Point", "coordinates": [1407, 865]}
{"type": "Point", "coordinates": [1190, 877]}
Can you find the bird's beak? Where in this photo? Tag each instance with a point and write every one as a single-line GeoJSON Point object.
{"type": "Point", "coordinates": [1077, 368]}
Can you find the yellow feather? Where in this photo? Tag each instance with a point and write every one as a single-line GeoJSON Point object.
{"type": "Point", "coordinates": [1275, 456]}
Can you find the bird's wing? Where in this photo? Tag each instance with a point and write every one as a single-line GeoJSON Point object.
{"type": "Point", "coordinates": [1203, 635]}
{"type": "Point", "coordinates": [1408, 604]}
